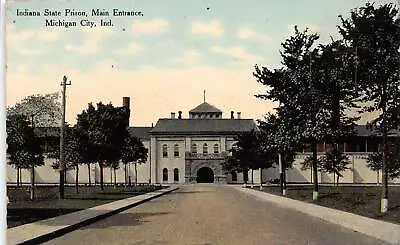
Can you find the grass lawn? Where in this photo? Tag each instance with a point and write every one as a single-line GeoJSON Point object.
{"type": "Point", "coordinates": [20, 212]}
{"type": "Point", "coordinates": [361, 200]}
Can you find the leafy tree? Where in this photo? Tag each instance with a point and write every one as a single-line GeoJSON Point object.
{"type": "Point", "coordinates": [113, 170]}
{"type": "Point", "coordinates": [106, 129]}
{"type": "Point", "coordinates": [74, 150]}
{"type": "Point", "coordinates": [282, 140]}
{"type": "Point", "coordinates": [133, 151]}
{"type": "Point", "coordinates": [392, 159]}
{"type": "Point", "coordinates": [82, 129]}
{"type": "Point", "coordinates": [23, 147]}
{"type": "Point", "coordinates": [374, 34]}
{"type": "Point", "coordinates": [299, 88]}
{"type": "Point", "coordinates": [43, 110]}
{"type": "Point", "coordinates": [248, 152]}
{"type": "Point", "coordinates": [335, 162]}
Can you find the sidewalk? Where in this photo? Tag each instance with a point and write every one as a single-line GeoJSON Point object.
{"type": "Point", "coordinates": [384, 231]}
{"type": "Point", "coordinates": [45, 230]}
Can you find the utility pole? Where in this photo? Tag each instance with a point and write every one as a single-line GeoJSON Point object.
{"type": "Point", "coordinates": [64, 84]}
{"type": "Point", "coordinates": [32, 192]}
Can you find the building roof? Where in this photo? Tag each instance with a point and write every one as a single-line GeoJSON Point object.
{"type": "Point", "coordinates": [205, 107]}
{"type": "Point", "coordinates": [203, 126]}
{"type": "Point", "coordinates": [362, 130]}
{"type": "Point", "coordinates": [140, 132]}
{"type": "Point", "coordinates": [192, 126]}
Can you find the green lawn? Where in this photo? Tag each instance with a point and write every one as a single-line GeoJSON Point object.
{"type": "Point", "coordinates": [25, 211]}
{"type": "Point", "coordinates": [362, 200]}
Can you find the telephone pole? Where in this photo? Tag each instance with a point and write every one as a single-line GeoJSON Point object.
{"type": "Point", "coordinates": [64, 84]}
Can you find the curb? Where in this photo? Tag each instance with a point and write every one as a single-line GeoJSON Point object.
{"type": "Point", "coordinates": [378, 229]}
{"type": "Point", "coordinates": [29, 234]}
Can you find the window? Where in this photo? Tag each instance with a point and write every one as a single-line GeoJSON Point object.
{"type": "Point", "coordinates": [194, 148]}
{"type": "Point", "coordinates": [205, 148]}
{"type": "Point", "coordinates": [165, 174]}
{"type": "Point", "coordinates": [165, 150]}
{"type": "Point", "coordinates": [216, 148]}
{"type": "Point", "coordinates": [176, 150]}
{"type": "Point", "coordinates": [176, 175]}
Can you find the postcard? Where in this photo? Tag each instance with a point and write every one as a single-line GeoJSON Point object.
{"type": "Point", "coordinates": [179, 104]}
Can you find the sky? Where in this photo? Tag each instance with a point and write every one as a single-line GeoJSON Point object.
{"type": "Point", "coordinates": [163, 60]}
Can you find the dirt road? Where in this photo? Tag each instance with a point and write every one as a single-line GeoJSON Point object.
{"type": "Point", "coordinates": [210, 214]}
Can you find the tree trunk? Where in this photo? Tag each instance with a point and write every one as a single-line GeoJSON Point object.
{"type": "Point", "coordinates": [334, 178]}
{"type": "Point", "coordinates": [245, 178]}
{"type": "Point", "coordinates": [89, 174]}
{"type": "Point", "coordinates": [261, 179]}
{"type": "Point", "coordinates": [337, 180]}
{"type": "Point", "coordinates": [135, 173]}
{"type": "Point", "coordinates": [32, 182]}
{"type": "Point", "coordinates": [281, 180]}
{"type": "Point", "coordinates": [111, 175]}
{"type": "Point", "coordinates": [101, 177]}
{"type": "Point", "coordinates": [284, 181]}
{"type": "Point", "coordinates": [377, 177]}
{"type": "Point", "coordinates": [315, 169]}
{"type": "Point", "coordinates": [384, 199]}
{"type": "Point", "coordinates": [252, 179]}
{"type": "Point", "coordinates": [77, 179]}
{"type": "Point", "coordinates": [115, 177]}
{"type": "Point", "coordinates": [17, 176]}
{"type": "Point", "coordinates": [20, 176]}
{"type": "Point", "coordinates": [126, 174]}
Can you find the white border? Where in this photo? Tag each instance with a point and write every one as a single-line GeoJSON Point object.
{"type": "Point", "coordinates": [3, 176]}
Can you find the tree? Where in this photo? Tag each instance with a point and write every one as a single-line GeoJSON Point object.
{"type": "Point", "coordinates": [133, 151]}
{"type": "Point", "coordinates": [23, 147]}
{"type": "Point", "coordinates": [335, 161]}
{"type": "Point", "coordinates": [44, 110]}
{"type": "Point", "coordinates": [392, 159]}
{"type": "Point", "coordinates": [299, 88]}
{"type": "Point", "coordinates": [374, 35]}
{"type": "Point", "coordinates": [248, 152]}
{"type": "Point", "coordinates": [82, 129]}
{"type": "Point", "coordinates": [282, 141]}
{"type": "Point", "coordinates": [41, 111]}
{"type": "Point", "coordinates": [74, 150]}
{"type": "Point", "coordinates": [106, 128]}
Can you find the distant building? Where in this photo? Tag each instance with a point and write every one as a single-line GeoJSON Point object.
{"type": "Point", "coordinates": [190, 150]}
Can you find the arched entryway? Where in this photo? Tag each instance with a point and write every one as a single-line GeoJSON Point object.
{"type": "Point", "coordinates": [205, 175]}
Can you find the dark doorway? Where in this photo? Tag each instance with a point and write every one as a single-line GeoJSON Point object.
{"type": "Point", "coordinates": [176, 175]}
{"type": "Point", "coordinates": [205, 175]}
{"type": "Point", "coordinates": [234, 176]}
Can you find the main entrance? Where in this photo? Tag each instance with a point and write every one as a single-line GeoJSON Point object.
{"type": "Point", "coordinates": [205, 175]}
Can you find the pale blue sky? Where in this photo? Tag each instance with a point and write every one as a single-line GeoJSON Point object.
{"type": "Point", "coordinates": [164, 59]}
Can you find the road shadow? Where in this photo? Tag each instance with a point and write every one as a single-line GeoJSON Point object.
{"type": "Point", "coordinates": [186, 192]}
{"type": "Point", "coordinates": [124, 219]}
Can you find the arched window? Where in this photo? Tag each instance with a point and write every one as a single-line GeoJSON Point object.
{"type": "Point", "coordinates": [176, 150]}
{"type": "Point", "coordinates": [165, 150]}
{"type": "Point", "coordinates": [194, 148]}
{"type": "Point", "coordinates": [205, 148]}
{"type": "Point", "coordinates": [176, 175]}
{"type": "Point", "coordinates": [216, 148]}
{"type": "Point", "coordinates": [165, 174]}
